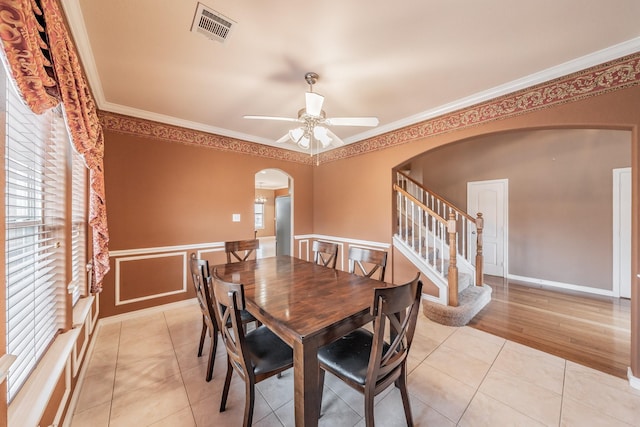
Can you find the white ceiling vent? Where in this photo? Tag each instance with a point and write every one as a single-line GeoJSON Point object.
{"type": "Point", "coordinates": [212, 24]}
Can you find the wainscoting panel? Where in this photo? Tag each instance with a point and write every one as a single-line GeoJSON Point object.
{"type": "Point", "coordinates": [145, 277]}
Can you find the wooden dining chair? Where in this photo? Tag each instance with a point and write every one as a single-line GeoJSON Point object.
{"type": "Point", "coordinates": [256, 355]}
{"type": "Point", "coordinates": [205, 302]}
{"type": "Point", "coordinates": [240, 250]}
{"type": "Point", "coordinates": [200, 272]}
{"type": "Point", "coordinates": [367, 261]}
{"type": "Point", "coordinates": [325, 253]}
{"type": "Point", "coordinates": [364, 361]}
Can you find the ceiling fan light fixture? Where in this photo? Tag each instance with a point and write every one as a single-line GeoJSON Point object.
{"type": "Point", "coordinates": [320, 133]}
{"type": "Point", "coordinates": [314, 103]}
{"type": "Point", "coordinates": [304, 142]}
{"type": "Point", "coordinates": [295, 134]}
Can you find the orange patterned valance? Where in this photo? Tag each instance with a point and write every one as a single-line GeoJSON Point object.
{"type": "Point", "coordinates": [44, 64]}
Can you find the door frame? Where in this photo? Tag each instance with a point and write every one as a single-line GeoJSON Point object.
{"type": "Point", "coordinates": [617, 230]}
{"type": "Point", "coordinates": [505, 215]}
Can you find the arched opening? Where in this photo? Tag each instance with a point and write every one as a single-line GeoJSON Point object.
{"type": "Point", "coordinates": [560, 230]}
{"type": "Point", "coordinates": [273, 209]}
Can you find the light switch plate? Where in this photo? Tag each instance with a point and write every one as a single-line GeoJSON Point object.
{"type": "Point", "coordinates": [235, 218]}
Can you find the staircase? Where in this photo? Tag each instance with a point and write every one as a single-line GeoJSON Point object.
{"type": "Point", "coordinates": [445, 244]}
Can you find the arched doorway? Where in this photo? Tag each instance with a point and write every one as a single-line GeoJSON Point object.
{"type": "Point", "coordinates": [273, 212]}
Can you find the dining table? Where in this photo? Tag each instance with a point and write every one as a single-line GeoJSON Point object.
{"type": "Point", "coordinates": [307, 305]}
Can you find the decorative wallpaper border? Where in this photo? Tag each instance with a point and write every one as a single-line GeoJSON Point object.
{"type": "Point", "coordinates": [610, 76]}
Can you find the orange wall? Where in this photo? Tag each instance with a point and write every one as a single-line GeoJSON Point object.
{"type": "Point", "coordinates": [163, 194]}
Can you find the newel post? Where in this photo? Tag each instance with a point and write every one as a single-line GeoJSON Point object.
{"type": "Point", "coordinates": [479, 256]}
{"type": "Point", "coordinates": [453, 269]}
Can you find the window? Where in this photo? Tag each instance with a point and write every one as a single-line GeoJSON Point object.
{"type": "Point", "coordinates": [36, 152]}
{"type": "Point", "coordinates": [259, 213]}
{"type": "Point", "coordinates": [78, 284]}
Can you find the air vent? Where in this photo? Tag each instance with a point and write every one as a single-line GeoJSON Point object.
{"type": "Point", "coordinates": [212, 24]}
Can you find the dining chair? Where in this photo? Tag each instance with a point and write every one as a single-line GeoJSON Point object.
{"type": "Point", "coordinates": [199, 269]}
{"type": "Point", "coordinates": [364, 360]}
{"type": "Point", "coordinates": [325, 253]}
{"type": "Point", "coordinates": [241, 250]}
{"type": "Point", "coordinates": [255, 355]}
{"type": "Point", "coordinates": [367, 262]}
{"type": "Point", "coordinates": [199, 272]}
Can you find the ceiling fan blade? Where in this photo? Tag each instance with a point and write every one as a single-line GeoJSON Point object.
{"type": "Point", "coordinates": [284, 138]}
{"type": "Point", "coordinates": [284, 119]}
{"type": "Point", "coordinates": [352, 121]}
{"type": "Point", "coordinates": [314, 103]}
{"type": "Point", "coordinates": [335, 139]}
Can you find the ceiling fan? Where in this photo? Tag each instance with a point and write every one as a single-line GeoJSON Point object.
{"type": "Point", "coordinates": [313, 123]}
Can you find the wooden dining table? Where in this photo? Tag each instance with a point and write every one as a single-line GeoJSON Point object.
{"type": "Point", "coordinates": [307, 306]}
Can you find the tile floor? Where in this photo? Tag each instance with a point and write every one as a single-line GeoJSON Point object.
{"type": "Point", "coordinates": [144, 372]}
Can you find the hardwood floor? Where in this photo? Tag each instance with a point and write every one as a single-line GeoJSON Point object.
{"type": "Point", "coordinates": [591, 330]}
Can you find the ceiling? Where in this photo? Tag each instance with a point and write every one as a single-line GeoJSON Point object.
{"type": "Point", "coordinates": [403, 62]}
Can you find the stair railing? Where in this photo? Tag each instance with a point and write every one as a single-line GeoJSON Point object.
{"type": "Point", "coordinates": [437, 210]}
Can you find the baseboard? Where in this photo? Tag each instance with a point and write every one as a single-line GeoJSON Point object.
{"type": "Point", "coordinates": [633, 381]}
{"type": "Point", "coordinates": [561, 285]}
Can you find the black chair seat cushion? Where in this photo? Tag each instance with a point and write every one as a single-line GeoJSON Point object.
{"type": "Point", "coordinates": [267, 351]}
{"type": "Point", "coordinates": [245, 317]}
{"type": "Point", "coordinates": [349, 356]}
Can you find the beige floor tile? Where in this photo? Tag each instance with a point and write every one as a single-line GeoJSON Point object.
{"type": "Point", "coordinates": [479, 344]}
{"type": "Point", "coordinates": [534, 366]}
{"type": "Point", "coordinates": [97, 416]}
{"type": "Point", "coordinates": [607, 394]}
{"type": "Point", "coordinates": [445, 394]}
{"type": "Point", "coordinates": [134, 351]}
{"type": "Point", "coordinates": [575, 413]}
{"type": "Point", "coordinates": [185, 329]}
{"type": "Point", "coordinates": [149, 404]}
{"type": "Point", "coordinates": [102, 363]}
{"type": "Point", "coordinates": [277, 391]}
{"type": "Point", "coordinates": [196, 384]}
{"type": "Point", "coordinates": [389, 412]}
{"type": "Point", "coordinates": [426, 328]}
{"type": "Point", "coordinates": [143, 328]}
{"type": "Point", "coordinates": [152, 370]}
{"type": "Point", "coordinates": [183, 418]}
{"type": "Point", "coordinates": [96, 389]}
{"type": "Point", "coordinates": [188, 358]}
{"type": "Point", "coordinates": [334, 413]}
{"type": "Point", "coordinates": [459, 365]}
{"type": "Point", "coordinates": [107, 337]}
{"type": "Point", "coordinates": [534, 401]}
{"type": "Point", "coordinates": [270, 420]}
{"type": "Point", "coordinates": [485, 411]}
{"type": "Point", "coordinates": [206, 411]}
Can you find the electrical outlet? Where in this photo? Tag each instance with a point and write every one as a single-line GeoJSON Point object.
{"type": "Point", "coordinates": [235, 218]}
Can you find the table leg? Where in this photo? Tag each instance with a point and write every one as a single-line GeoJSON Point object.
{"type": "Point", "coordinates": [305, 380]}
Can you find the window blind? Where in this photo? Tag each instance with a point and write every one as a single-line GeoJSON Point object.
{"type": "Point", "coordinates": [78, 226]}
{"type": "Point", "coordinates": [34, 203]}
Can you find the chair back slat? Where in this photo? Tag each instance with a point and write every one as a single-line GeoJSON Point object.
{"type": "Point", "coordinates": [325, 253]}
{"type": "Point", "coordinates": [396, 311]}
{"type": "Point", "coordinates": [367, 261]}
{"type": "Point", "coordinates": [240, 250]}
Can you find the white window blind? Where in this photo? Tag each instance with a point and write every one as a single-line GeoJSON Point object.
{"type": "Point", "coordinates": [34, 199]}
{"type": "Point", "coordinates": [79, 226]}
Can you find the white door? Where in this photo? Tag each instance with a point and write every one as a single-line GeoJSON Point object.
{"type": "Point", "coordinates": [622, 232]}
{"type": "Point", "coordinates": [491, 199]}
